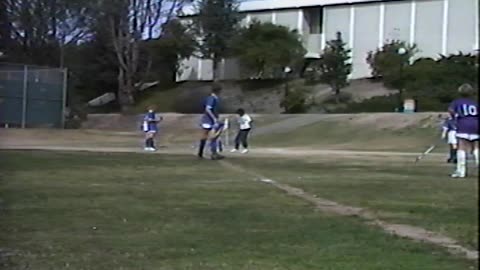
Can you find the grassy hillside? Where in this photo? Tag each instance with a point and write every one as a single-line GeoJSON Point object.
{"type": "Point", "coordinates": [255, 96]}
{"type": "Point", "coordinates": [404, 132]}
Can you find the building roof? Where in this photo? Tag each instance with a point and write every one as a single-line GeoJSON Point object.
{"type": "Point", "coordinates": [257, 5]}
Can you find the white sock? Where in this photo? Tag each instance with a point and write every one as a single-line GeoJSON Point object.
{"type": "Point", "coordinates": [475, 154]}
{"type": "Point", "coordinates": [461, 162]}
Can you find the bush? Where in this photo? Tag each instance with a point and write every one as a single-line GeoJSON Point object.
{"type": "Point", "coordinates": [390, 104]}
{"type": "Point", "coordinates": [296, 101]}
{"type": "Point", "coordinates": [386, 62]}
{"type": "Point", "coordinates": [73, 123]}
{"type": "Point", "coordinates": [375, 104]}
{"type": "Point", "coordinates": [341, 98]}
{"type": "Point", "coordinates": [434, 83]}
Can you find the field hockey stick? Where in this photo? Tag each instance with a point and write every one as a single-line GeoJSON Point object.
{"type": "Point", "coordinates": [426, 152]}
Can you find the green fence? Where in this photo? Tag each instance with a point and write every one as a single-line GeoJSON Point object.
{"type": "Point", "coordinates": [32, 96]}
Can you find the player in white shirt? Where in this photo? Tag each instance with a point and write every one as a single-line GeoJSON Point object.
{"type": "Point", "coordinates": [245, 125]}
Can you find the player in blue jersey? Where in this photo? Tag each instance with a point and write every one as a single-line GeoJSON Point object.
{"type": "Point", "coordinates": [449, 133]}
{"type": "Point", "coordinates": [465, 112]}
{"type": "Point", "coordinates": [210, 117]}
{"type": "Point", "coordinates": [216, 142]}
{"type": "Point", "coordinates": [150, 127]}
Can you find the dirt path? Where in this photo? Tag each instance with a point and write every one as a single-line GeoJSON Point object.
{"type": "Point", "coordinates": [327, 206]}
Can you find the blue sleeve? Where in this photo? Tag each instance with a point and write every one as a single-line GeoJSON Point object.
{"type": "Point", "coordinates": [210, 103]}
{"type": "Point", "coordinates": [453, 107]}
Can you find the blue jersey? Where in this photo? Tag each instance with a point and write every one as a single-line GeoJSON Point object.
{"type": "Point", "coordinates": [466, 115]}
{"type": "Point", "coordinates": [449, 124]}
{"type": "Point", "coordinates": [211, 103]}
{"type": "Point", "coordinates": [150, 122]}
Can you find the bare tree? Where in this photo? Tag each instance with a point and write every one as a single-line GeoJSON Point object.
{"type": "Point", "coordinates": [41, 28]}
{"type": "Point", "coordinates": [131, 22]}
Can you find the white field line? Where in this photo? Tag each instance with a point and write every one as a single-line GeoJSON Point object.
{"type": "Point", "coordinates": [401, 230]}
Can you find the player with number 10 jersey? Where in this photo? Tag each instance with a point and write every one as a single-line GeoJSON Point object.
{"type": "Point", "coordinates": [465, 111]}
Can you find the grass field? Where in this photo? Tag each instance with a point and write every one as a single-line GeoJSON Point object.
{"type": "Point", "coordinates": [395, 189]}
{"type": "Point", "coordinates": [136, 211]}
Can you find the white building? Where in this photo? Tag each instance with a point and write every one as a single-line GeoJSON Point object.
{"type": "Point", "coordinates": [436, 26]}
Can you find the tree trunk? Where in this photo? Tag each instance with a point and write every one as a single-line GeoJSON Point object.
{"type": "Point", "coordinates": [125, 91]}
{"type": "Point", "coordinates": [5, 26]}
{"type": "Point", "coordinates": [215, 69]}
{"type": "Point", "coordinates": [337, 94]}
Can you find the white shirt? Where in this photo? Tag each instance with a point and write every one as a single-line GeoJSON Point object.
{"type": "Point", "coordinates": [244, 121]}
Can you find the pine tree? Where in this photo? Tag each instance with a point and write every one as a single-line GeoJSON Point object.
{"type": "Point", "coordinates": [335, 65]}
{"type": "Point", "coordinates": [216, 24]}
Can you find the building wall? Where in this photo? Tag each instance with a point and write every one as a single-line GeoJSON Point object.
{"type": "Point", "coordinates": [262, 16]}
{"type": "Point", "coordinates": [436, 26]}
{"type": "Point", "coordinates": [288, 18]}
{"type": "Point", "coordinates": [462, 28]}
{"type": "Point", "coordinates": [428, 27]}
{"type": "Point", "coordinates": [365, 37]}
{"type": "Point", "coordinates": [397, 20]}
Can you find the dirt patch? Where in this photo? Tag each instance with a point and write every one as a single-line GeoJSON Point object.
{"type": "Point", "coordinates": [331, 207]}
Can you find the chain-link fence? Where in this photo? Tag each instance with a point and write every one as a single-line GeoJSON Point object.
{"type": "Point", "coordinates": [32, 96]}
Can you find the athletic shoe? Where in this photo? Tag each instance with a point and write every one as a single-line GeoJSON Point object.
{"type": "Point", "coordinates": [244, 151]}
{"type": "Point", "coordinates": [217, 157]}
{"type": "Point", "coordinates": [457, 175]}
{"type": "Point", "coordinates": [233, 151]}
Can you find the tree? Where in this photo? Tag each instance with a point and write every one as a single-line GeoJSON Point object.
{"type": "Point", "coordinates": [40, 29]}
{"type": "Point", "coordinates": [387, 62]}
{"type": "Point", "coordinates": [437, 80]}
{"type": "Point", "coordinates": [92, 65]}
{"type": "Point", "coordinates": [264, 49]}
{"type": "Point", "coordinates": [129, 21]}
{"type": "Point", "coordinates": [215, 25]}
{"type": "Point", "coordinates": [176, 44]}
{"type": "Point", "coordinates": [334, 65]}
{"type": "Point", "coordinates": [5, 28]}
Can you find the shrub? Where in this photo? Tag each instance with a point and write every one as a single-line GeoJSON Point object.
{"type": "Point", "coordinates": [296, 100]}
{"type": "Point", "coordinates": [390, 104]}
{"type": "Point", "coordinates": [375, 104]}
{"type": "Point", "coordinates": [341, 98]}
{"type": "Point", "coordinates": [386, 62]}
{"type": "Point", "coordinates": [437, 81]}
